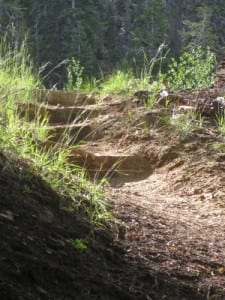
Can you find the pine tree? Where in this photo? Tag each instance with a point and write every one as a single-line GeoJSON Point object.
{"type": "Point", "coordinates": [102, 34]}
{"type": "Point", "coordinates": [200, 32]}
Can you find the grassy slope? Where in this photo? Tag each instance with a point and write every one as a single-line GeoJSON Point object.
{"type": "Point", "coordinates": [20, 138]}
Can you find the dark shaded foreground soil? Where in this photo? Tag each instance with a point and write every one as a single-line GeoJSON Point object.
{"type": "Point", "coordinates": [38, 262]}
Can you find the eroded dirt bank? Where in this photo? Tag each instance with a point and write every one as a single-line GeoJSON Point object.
{"type": "Point", "coordinates": [167, 192]}
{"type": "Point", "coordinates": [38, 262]}
{"type": "Point", "coordinates": [36, 259]}
{"type": "Point", "coordinates": [174, 222]}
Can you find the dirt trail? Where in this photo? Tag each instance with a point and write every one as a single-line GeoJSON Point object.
{"type": "Point", "coordinates": [177, 225]}
{"type": "Point", "coordinates": [168, 192]}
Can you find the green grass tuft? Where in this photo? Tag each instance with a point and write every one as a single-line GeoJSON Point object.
{"type": "Point", "coordinates": [21, 138]}
{"type": "Point", "coordinates": [117, 82]}
{"type": "Point", "coordinates": [220, 123]}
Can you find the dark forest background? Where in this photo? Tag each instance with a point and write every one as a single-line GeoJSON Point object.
{"type": "Point", "coordinates": [105, 34]}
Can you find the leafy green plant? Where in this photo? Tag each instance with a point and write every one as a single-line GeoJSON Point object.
{"type": "Point", "coordinates": [26, 189]}
{"type": "Point", "coordinates": [193, 70]}
{"type": "Point", "coordinates": [79, 244]}
{"type": "Point", "coordinates": [74, 75]}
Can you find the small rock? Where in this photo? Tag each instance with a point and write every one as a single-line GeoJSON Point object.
{"type": "Point", "coordinates": [164, 93]}
{"type": "Point", "coordinates": [218, 105]}
{"type": "Point", "coordinates": [142, 94]}
{"type": "Point", "coordinates": [7, 215]}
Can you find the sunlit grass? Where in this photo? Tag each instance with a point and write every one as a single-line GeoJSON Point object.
{"type": "Point", "coordinates": [183, 125]}
{"type": "Point", "coordinates": [23, 139]}
{"type": "Point", "coordinates": [117, 82]}
{"type": "Point", "coordinates": [220, 123]}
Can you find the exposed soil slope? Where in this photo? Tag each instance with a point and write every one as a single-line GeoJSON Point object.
{"type": "Point", "coordinates": [37, 261]}
{"type": "Point", "coordinates": [167, 191]}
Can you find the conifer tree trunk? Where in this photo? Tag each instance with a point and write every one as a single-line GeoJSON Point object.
{"type": "Point", "coordinates": [174, 9]}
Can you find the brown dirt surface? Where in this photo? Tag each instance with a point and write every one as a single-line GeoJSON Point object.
{"type": "Point", "coordinates": [167, 193]}
{"type": "Point", "coordinates": [172, 219]}
{"type": "Point", "coordinates": [37, 261]}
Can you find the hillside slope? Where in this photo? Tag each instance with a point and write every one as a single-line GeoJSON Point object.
{"type": "Point", "coordinates": [37, 258]}
{"type": "Point", "coordinates": [165, 169]}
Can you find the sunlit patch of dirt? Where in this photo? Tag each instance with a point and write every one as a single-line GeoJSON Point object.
{"type": "Point", "coordinates": [174, 221]}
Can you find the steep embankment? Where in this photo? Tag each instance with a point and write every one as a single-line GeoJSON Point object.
{"type": "Point", "coordinates": [39, 255]}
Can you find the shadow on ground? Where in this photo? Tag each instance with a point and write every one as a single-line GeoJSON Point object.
{"type": "Point", "coordinates": [38, 261]}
